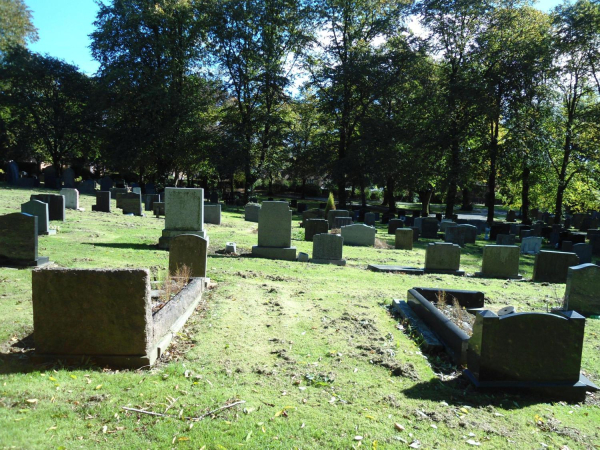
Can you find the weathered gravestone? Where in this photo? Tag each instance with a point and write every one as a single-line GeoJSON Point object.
{"type": "Point", "coordinates": [106, 184]}
{"type": "Point", "coordinates": [314, 226]}
{"type": "Point", "coordinates": [370, 219]}
{"type": "Point", "coordinates": [500, 228]}
{"type": "Point", "coordinates": [251, 211]}
{"type": "Point", "coordinates": [393, 225]}
{"type": "Point", "coordinates": [117, 194]}
{"type": "Point", "coordinates": [404, 239]}
{"type": "Point", "coordinates": [184, 209]}
{"type": "Point", "coordinates": [56, 205]}
{"type": "Point", "coordinates": [539, 352]}
{"type": "Point", "coordinates": [511, 216]}
{"type": "Point", "coordinates": [332, 214]}
{"type": "Point", "coordinates": [50, 180]}
{"type": "Point", "coordinates": [68, 177]}
{"type": "Point", "coordinates": [552, 267]}
{"type": "Point", "coordinates": [446, 223]}
{"type": "Point", "coordinates": [212, 214]}
{"type": "Point", "coordinates": [500, 261]}
{"type": "Point", "coordinates": [131, 203]}
{"type": "Point", "coordinates": [531, 245]}
{"type": "Point", "coordinates": [454, 235]}
{"type": "Point", "coordinates": [441, 257]}
{"type": "Point", "coordinates": [328, 249]}
{"type": "Point", "coordinates": [102, 202]}
{"type": "Point", "coordinates": [429, 228]}
{"type": "Point", "coordinates": [105, 315]}
{"type": "Point", "coordinates": [159, 209]}
{"type": "Point", "coordinates": [312, 214]}
{"type": "Point", "coordinates": [505, 239]}
{"type": "Point", "coordinates": [87, 187]}
{"type": "Point", "coordinates": [19, 241]}
{"type": "Point", "coordinates": [339, 222]}
{"type": "Point", "coordinates": [582, 293]}
{"type": "Point", "coordinates": [275, 232]}
{"type": "Point", "coordinates": [40, 210]}
{"type": "Point", "coordinates": [359, 235]}
{"type": "Point", "coordinates": [71, 198]}
{"type": "Point", "coordinates": [584, 251]}
{"type": "Point", "coordinates": [149, 200]}
{"type": "Point", "coordinates": [188, 250]}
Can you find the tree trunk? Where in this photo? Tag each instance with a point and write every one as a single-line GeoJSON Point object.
{"type": "Point", "coordinates": [303, 195]}
{"type": "Point", "coordinates": [466, 200]}
{"type": "Point", "coordinates": [491, 194]}
{"type": "Point", "coordinates": [425, 198]}
{"type": "Point", "coordinates": [363, 193]}
{"type": "Point", "coordinates": [453, 180]}
{"type": "Point", "coordinates": [525, 194]}
{"type": "Point", "coordinates": [391, 184]}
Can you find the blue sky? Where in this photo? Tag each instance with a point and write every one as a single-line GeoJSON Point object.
{"type": "Point", "coordinates": [64, 25]}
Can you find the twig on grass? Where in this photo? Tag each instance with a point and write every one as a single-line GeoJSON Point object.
{"type": "Point", "coordinates": [195, 419]}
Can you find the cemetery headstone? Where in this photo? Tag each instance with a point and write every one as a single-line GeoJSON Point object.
{"type": "Point", "coordinates": [584, 251]}
{"type": "Point", "coordinates": [500, 261]}
{"type": "Point", "coordinates": [511, 216]}
{"type": "Point", "coordinates": [136, 190]}
{"type": "Point", "coordinates": [149, 200]}
{"type": "Point", "coordinates": [393, 225]}
{"type": "Point", "coordinates": [359, 235]}
{"type": "Point", "coordinates": [87, 187]}
{"type": "Point", "coordinates": [302, 207]}
{"type": "Point", "coordinates": [328, 249]}
{"type": "Point", "coordinates": [404, 239]}
{"type": "Point", "coordinates": [500, 228]}
{"type": "Point", "coordinates": [339, 222]}
{"type": "Point", "coordinates": [150, 189]}
{"type": "Point", "coordinates": [314, 226]}
{"type": "Point", "coordinates": [12, 174]}
{"type": "Point", "coordinates": [56, 205]}
{"type": "Point", "coordinates": [275, 232]}
{"type": "Point", "coordinates": [188, 250]}
{"type": "Point", "coordinates": [311, 214]}
{"type": "Point", "coordinates": [370, 219]}
{"type": "Point", "coordinates": [102, 202]}
{"type": "Point", "coordinates": [416, 233]}
{"type": "Point", "coordinates": [531, 245]}
{"type": "Point", "coordinates": [214, 197]}
{"type": "Point", "coordinates": [251, 211]}
{"type": "Point", "coordinates": [212, 214]}
{"type": "Point", "coordinates": [505, 239]}
{"type": "Point", "coordinates": [68, 177]}
{"type": "Point", "coordinates": [429, 228]}
{"type": "Point", "coordinates": [40, 210]}
{"type": "Point", "coordinates": [552, 267]}
{"type": "Point", "coordinates": [71, 198]}
{"type": "Point", "coordinates": [184, 209]}
{"type": "Point", "coordinates": [582, 293]}
{"type": "Point", "coordinates": [332, 214]}
{"type": "Point", "coordinates": [106, 183]}
{"type": "Point", "coordinates": [19, 241]}
{"type": "Point", "coordinates": [441, 257]}
{"type": "Point", "coordinates": [446, 223]}
{"type": "Point", "coordinates": [158, 208]}
{"type": "Point", "coordinates": [131, 203]}
{"type": "Point", "coordinates": [455, 235]}
{"type": "Point", "coordinates": [50, 179]}
{"type": "Point", "coordinates": [303, 257]}
{"type": "Point", "coordinates": [469, 232]}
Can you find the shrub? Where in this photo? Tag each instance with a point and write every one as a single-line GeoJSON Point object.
{"type": "Point", "coordinates": [330, 204]}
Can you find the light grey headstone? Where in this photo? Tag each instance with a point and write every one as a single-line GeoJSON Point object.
{"type": "Point", "coordinates": [184, 208]}
{"type": "Point", "coordinates": [442, 256]}
{"type": "Point", "coordinates": [136, 190]}
{"type": "Point", "coordinates": [275, 232]}
{"type": "Point", "coordinates": [369, 219]}
{"type": "Point", "coordinates": [531, 245]}
{"type": "Point", "coordinates": [582, 293]}
{"type": "Point", "coordinates": [328, 248]}
{"type": "Point", "coordinates": [71, 198]}
{"type": "Point", "coordinates": [212, 214]}
{"type": "Point", "coordinates": [40, 210]}
{"type": "Point", "coordinates": [358, 234]}
{"type": "Point", "coordinates": [251, 211]}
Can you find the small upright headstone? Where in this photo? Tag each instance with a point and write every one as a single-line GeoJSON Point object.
{"type": "Point", "coordinates": [311, 214]}
{"type": "Point", "coordinates": [552, 267]}
{"type": "Point", "coordinates": [102, 202]}
{"type": "Point", "coordinates": [149, 200]}
{"type": "Point", "coordinates": [511, 216]}
{"type": "Point", "coordinates": [370, 219]}
{"type": "Point", "coordinates": [446, 223]}
{"type": "Point", "coordinates": [50, 180]}
{"type": "Point", "coordinates": [500, 261]}
{"type": "Point", "coordinates": [505, 239]}
{"type": "Point", "coordinates": [136, 190]}
{"type": "Point", "coordinates": [212, 214]}
{"type": "Point", "coordinates": [40, 210]}
{"type": "Point", "coordinates": [150, 188]}
{"type": "Point", "coordinates": [275, 232]}
{"type": "Point", "coordinates": [56, 205]}
{"type": "Point", "coordinates": [71, 198]}
{"type": "Point", "coordinates": [188, 250]}
{"type": "Point", "coordinates": [184, 209]}
{"type": "Point", "coordinates": [429, 228]}
{"type": "Point", "coordinates": [131, 203]}
{"type": "Point", "coordinates": [19, 241]}
{"type": "Point", "coordinates": [12, 175]}
{"type": "Point", "coordinates": [531, 245]}
{"type": "Point", "coordinates": [68, 177]}
{"type": "Point", "coordinates": [328, 249]}
{"type": "Point", "coordinates": [314, 226]}
{"type": "Point", "coordinates": [251, 211]}
{"type": "Point", "coordinates": [332, 214]}
{"type": "Point", "coordinates": [87, 187]}
{"type": "Point", "coordinates": [158, 208]}
{"type": "Point", "coordinates": [214, 197]}
{"type": "Point", "coordinates": [404, 239]}
{"type": "Point", "coordinates": [340, 222]}
{"type": "Point", "coordinates": [582, 293]}
{"type": "Point", "coordinates": [441, 257]}
{"type": "Point", "coordinates": [393, 225]}
{"type": "Point", "coordinates": [584, 251]}
{"type": "Point", "coordinates": [106, 183]}
{"type": "Point", "coordinates": [359, 235]}
{"type": "Point", "coordinates": [454, 235]}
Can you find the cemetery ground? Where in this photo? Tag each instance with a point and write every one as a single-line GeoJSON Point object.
{"type": "Point", "coordinates": [311, 349]}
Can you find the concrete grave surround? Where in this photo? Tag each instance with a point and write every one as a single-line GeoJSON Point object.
{"type": "Point", "coordinates": [184, 208]}
{"type": "Point", "coordinates": [584, 251]}
{"type": "Point", "coordinates": [314, 226]}
{"type": "Point", "coordinates": [56, 205]}
{"type": "Point", "coordinates": [102, 202]}
{"type": "Point", "coordinates": [582, 293]}
{"type": "Point", "coordinates": [131, 203]}
{"type": "Point", "coordinates": [332, 214]}
{"type": "Point", "coordinates": [189, 250]}
{"type": "Point", "coordinates": [19, 241]}
{"type": "Point", "coordinates": [105, 315]}
{"type": "Point", "coordinates": [40, 210]}
{"type": "Point", "coordinates": [275, 232]}
{"type": "Point", "coordinates": [393, 225]}
{"type": "Point", "coordinates": [328, 249]}
{"type": "Point", "coordinates": [441, 257]}
{"type": "Point", "coordinates": [531, 245]}
{"type": "Point", "coordinates": [359, 235]}
{"type": "Point", "coordinates": [71, 198]}
{"type": "Point", "coordinates": [500, 261]}
{"type": "Point", "coordinates": [506, 239]}
{"type": "Point", "coordinates": [251, 212]}
{"type": "Point", "coordinates": [404, 239]}
{"type": "Point", "coordinates": [212, 214]}
{"type": "Point", "coordinates": [552, 267]}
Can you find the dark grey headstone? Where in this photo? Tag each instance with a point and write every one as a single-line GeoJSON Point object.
{"type": "Point", "coordinates": [150, 188]}
{"type": "Point", "coordinates": [12, 174]}
{"type": "Point", "coordinates": [505, 239]}
{"type": "Point", "coordinates": [56, 205]}
{"type": "Point", "coordinates": [68, 178]}
{"type": "Point", "coordinates": [149, 200]}
{"type": "Point", "coordinates": [50, 179]}
{"type": "Point", "coordinates": [584, 251]}
{"type": "Point", "coordinates": [19, 240]}
{"type": "Point", "coordinates": [553, 267]}
{"type": "Point", "coordinates": [87, 187]}
{"type": "Point", "coordinates": [188, 250]}
{"type": "Point", "coordinates": [340, 222]}
{"type": "Point", "coordinates": [314, 226]}
{"type": "Point", "coordinates": [131, 203]}
{"type": "Point", "coordinates": [106, 183]}
{"type": "Point", "coordinates": [393, 225]}
{"type": "Point", "coordinates": [102, 202]}
{"type": "Point", "coordinates": [429, 228]}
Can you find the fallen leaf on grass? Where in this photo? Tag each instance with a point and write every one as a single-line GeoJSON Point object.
{"type": "Point", "coordinates": [472, 442]}
{"type": "Point", "coordinates": [32, 400]}
{"type": "Point", "coordinates": [398, 427]}
{"type": "Point", "coordinates": [249, 435]}
{"type": "Point", "coordinates": [98, 387]}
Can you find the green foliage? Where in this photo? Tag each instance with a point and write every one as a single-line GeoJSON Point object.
{"type": "Point", "coordinates": [16, 28]}
{"type": "Point", "coordinates": [330, 204]}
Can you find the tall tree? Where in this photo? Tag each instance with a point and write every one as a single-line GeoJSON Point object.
{"type": "Point", "coordinates": [16, 28]}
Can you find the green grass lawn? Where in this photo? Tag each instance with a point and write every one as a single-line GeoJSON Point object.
{"type": "Point", "coordinates": [311, 349]}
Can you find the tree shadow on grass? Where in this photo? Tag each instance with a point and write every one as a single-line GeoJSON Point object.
{"type": "Point", "coordinates": [124, 245]}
